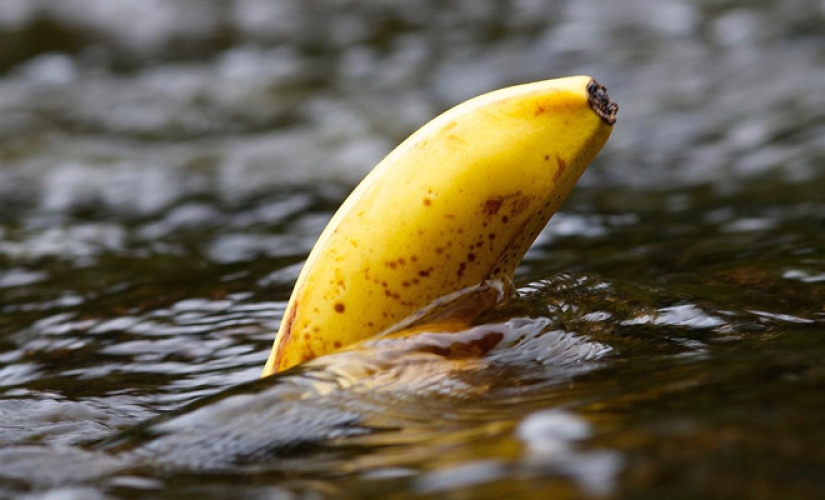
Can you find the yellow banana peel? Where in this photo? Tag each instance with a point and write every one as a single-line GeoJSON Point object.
{"type": "Point", "coordinates": [458, 202]}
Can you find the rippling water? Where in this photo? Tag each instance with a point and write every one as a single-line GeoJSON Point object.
{"type": "Point", "coordinates": [165, 168]}
{"type": "Point", "coordinates": [672, 344]}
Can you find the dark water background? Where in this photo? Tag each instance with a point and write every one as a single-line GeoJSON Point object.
{"type": "Point", "coordinates": [166, 166]}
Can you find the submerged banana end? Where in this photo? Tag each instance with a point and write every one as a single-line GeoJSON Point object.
{"type": "Point", "coordinates": [387, 251]}
{"type": "Point", "coordinates": [600, 102]}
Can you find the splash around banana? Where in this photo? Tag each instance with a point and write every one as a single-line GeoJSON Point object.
{"type": "Point", "coordinates": [457, 203]}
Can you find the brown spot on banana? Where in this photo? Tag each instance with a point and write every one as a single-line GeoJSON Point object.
{"type": "Point", "coordinates": [466, 195]}
{"type": "Point", "coordinates": [562, 166]}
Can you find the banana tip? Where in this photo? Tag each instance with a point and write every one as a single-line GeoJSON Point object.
{"type": "Point", "coordinates": [600, 102]}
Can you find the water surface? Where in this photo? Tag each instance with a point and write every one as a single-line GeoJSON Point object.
{"type": "Point", "coordinates": [160, 187]}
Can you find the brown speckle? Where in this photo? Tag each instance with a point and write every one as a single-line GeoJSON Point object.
{"type": "Point", "coordinates": [308, 354]}
{"type": "Point", "coordinates": [427, 201]}
{"type": "Point", "coordinates": [471, 256]}
{"type": "Point", "coordinates": [337, 344]}
{"type": "Point", "coordinates": [339, 307]}
{"type": "Point", "coordinates": [519, 204]}
{"type": "Point", "coordinates": [561, 169]}
{"type": "Point", "coordinates": [492, 205]}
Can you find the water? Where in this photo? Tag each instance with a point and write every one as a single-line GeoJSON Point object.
{"type": "Point", "coordinates": [165, 169]}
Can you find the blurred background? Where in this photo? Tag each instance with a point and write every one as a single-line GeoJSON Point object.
{"type": "Point", "coordinates": [135, 106]}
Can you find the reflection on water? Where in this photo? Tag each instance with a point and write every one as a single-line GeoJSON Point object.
{"type": "Point", "coordinates": [165, 167]}
{"type": "Point", "coordinates": [589, 377]}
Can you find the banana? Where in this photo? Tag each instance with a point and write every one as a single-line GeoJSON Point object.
{"type": "Point", "coordinates": [458, 202]}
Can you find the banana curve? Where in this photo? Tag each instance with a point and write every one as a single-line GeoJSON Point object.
{"type": "Point", "coordinates": [458, 202]}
